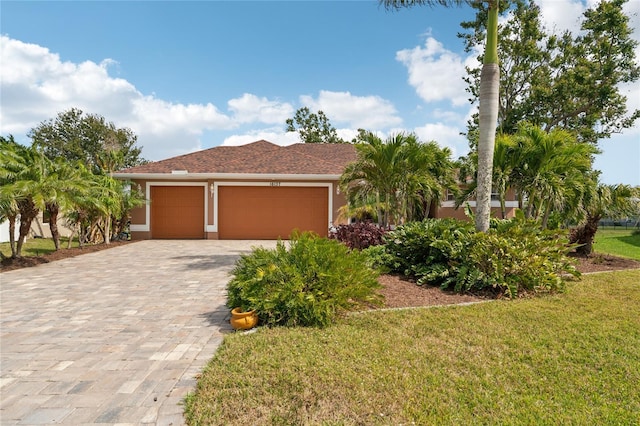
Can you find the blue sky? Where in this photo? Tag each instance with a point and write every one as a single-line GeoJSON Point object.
{"type": "Point", "coordinates": [191, 75]}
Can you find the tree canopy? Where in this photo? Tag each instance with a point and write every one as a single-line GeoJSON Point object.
{"type": "Point", "coordinates": [560, 81]}
{"type": "Point", "coordinates": [312, 127]}
{"type": "Point", "coordinates": [88, 138]}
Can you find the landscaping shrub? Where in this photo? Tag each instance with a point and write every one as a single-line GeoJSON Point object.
{"type": "Point", "coordinates": [359, 235]}
{"type": "Point", "coordinates": [379, 259]}
{"type": "Point", "coordinates": [514, 255]}
{"type": "Point", "coordinates": [309, 283]}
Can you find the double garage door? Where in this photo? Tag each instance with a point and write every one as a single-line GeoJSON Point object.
{"type": "Point", "coordinates": [244, 212]}
{"type": "Point", "coordinates": [267, 213]}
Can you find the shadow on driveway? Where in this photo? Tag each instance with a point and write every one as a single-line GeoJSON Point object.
{"type": "Point", "coordinates": [204, 262]}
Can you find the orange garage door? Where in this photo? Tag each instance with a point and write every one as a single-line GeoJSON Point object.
{"type": "Point", "coordinates": [177, 212]}
{"type": "Point", "coordinates": [265, 212]}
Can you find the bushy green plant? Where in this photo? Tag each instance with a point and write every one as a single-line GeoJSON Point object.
{"type": "Point", "coordinates": [430, 242]}
{"type": "Point", "coordinates": [378, 258]}
{"type": "Point", "coordinates": [514, 255]}
{"type": "Point", "coordinates": [309, 283]}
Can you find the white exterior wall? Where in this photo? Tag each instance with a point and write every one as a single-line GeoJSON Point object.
{"type": "Point", "coordinates": [4, 231]}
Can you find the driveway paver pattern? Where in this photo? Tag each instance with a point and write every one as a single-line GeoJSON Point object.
{"type": "Point", "coordinates": [113, 337]}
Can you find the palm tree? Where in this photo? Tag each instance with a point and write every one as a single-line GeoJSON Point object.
{"type": "Point", "coordinates": [10, 165]}
{"type": "Point", "coordinates": [59, 190]}
{"type": "Point", "coordinates": [428, 175]}
{"type": "Point", "coordinates": [375, 174]}
{"type": "Point", "coordinates": [548, 169]}
{"type": "Point", "coordinates": [599, 202]}
{"type": "Point", "coordinates": [33, 183]}
{"type": "Point", "coordinates": [28, 173]}
{"type": "Point", "coordinates": [401, 176]}
{"type": "Point", "coordinates": [488, 109]}
{"type": "Point", "coordinates": [503, 165]}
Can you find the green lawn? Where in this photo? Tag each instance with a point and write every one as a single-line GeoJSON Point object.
{"type": "Point", "coordinates": [572, 358]}
{"type": "Point", "coordinates": [37, 246]}
{"type": "Point", "coordinates": [617, 242]}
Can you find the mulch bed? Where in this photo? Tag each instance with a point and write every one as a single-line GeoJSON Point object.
{"type": "Point", "coordinates": [399, 291]}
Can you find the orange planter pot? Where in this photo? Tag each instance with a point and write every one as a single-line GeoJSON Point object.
{"type": "Point", "coordinates": [243, 320]}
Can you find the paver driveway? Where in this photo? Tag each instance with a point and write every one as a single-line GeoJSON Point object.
{"type": "Point", "coordinates": [115, 336]}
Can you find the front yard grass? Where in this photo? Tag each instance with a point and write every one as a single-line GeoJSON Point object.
{"type": "Point", "coordinates": [37, 246]}
{"type": "Point", "coordinates": [617, 242]}
{"type": "Point", "coordinates": [571, 358]}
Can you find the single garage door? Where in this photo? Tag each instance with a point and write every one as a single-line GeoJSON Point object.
{"type": "Point", "coordinates": [268, 213]}
{"type": "Point", "coordinates": [177, 212]}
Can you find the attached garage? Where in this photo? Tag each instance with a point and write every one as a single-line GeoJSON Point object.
{"type": "Point", "coordinates": [254, 191]}
{"type": "Point", "coordinates": [271, 212]}
{"type": "Point", "coordinates": [177, 212]}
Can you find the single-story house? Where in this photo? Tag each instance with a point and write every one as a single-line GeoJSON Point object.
{"type": "Point", "coordinates": [255, 191]}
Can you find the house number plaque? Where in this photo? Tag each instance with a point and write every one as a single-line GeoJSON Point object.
{"type": "Point", "coordinates": [275, 183]}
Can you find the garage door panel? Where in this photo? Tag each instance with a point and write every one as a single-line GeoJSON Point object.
{"type": "Point", "coordinates": [271, 212]}
{"type": "Point", "coordinates": [177, 212]}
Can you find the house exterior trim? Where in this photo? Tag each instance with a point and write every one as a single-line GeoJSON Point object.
{"type": "Point", "coordinates": [224, 176]}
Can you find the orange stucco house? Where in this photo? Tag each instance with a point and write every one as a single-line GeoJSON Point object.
{"type": "Point", "coordinates": [255, 191]}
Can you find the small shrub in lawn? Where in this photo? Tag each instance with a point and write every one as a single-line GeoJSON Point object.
{"type": "Point", "coordinates": [310, 283]}
{"type": "Point", "coordinates": [514, 255]}
{"type": "Point", "coordinates": [359, 235]}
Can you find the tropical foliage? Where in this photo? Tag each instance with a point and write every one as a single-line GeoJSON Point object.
{"type": "Point", "coordinates": [513, 256]}
{"type": "Point", "coordinates": [310, 283]}
{"type": "Point", "coordinates": [359, 235]}
{"type": "Point", "coordinates": [49, 178]}
{"type": "Point", "coordinates": [400, 176]}
{"type": "Point", "coordinates": [487, 96]}
{"type": "Point", "coordinates": [601, 201]}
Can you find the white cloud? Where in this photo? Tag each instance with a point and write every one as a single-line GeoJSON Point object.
{"type": "Point", "coordinates": [367, 112]}
{"type": "Point", "coordinates": [561, 15]}
{"type": "Point", "coordinates": [445, 136]}
{"type": "Point", "coordinates": [38, 85]}
{"type": "Point", "coordinates": [435, 72]}
{"type": "Point", "coordinates": [250, 108]}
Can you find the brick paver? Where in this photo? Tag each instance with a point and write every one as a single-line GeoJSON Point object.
{"type": "Point", "coordinates": [112, 337]}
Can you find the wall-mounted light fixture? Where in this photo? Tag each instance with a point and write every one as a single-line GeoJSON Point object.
{"type": "Point", "coordinates": [211, 189]}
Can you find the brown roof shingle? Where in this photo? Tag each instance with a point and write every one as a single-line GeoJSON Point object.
{"type": "Point", "coordinates": [260, 157]}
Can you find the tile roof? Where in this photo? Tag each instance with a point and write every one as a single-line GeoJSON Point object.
{"type": "Point", "coordinates": [260, 157]}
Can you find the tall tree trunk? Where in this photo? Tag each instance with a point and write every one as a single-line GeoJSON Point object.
{"type": "Point", "coordinates": [488, 119]}
{"type": "Point", "coordinates": [12, 233]}
{"type": "Point", "coordinates": [584, 235]}
{"type": "Point", "coordinates": [107, 230]}
{"type": "Point", "coordinates": [547, 213]}
{"type": "Point", "coordinates": [53, 209]}
{"type": "Point", "coordinates": [73, 232]}
{"type": "Point", "coordinates": [530, 204]}
{"type": "Point", "coordinates": [379, 210]}
{"type": "Point", "coordinates": [28, 212]}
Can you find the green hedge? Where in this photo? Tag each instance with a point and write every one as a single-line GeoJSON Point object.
{"type": "Point", "coordinates": [307, 284]}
